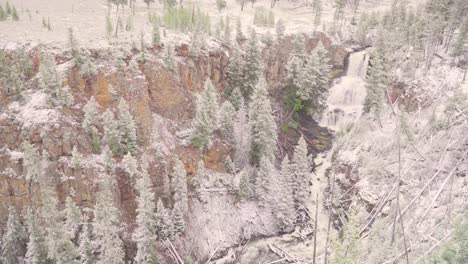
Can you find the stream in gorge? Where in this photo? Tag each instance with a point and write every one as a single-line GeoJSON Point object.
{"type": "Point", "coordinates": [344, 107]}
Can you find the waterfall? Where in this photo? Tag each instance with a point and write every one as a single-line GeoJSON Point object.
{"type": "Point", "coordinates": [347, 93]}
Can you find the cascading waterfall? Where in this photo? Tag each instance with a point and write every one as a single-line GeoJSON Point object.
{"type": "Point", "coordinates": [347, 94]}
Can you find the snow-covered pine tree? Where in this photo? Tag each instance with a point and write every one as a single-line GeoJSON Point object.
{"type": "Point", "coordinates": [164, 225]}
{"type": "Point", "coordinates": [227, 31]}
{"type": "Point", "coordinates": [31, 163]}
{"type": "Point", "coordinates": [106, 225]}
{"type": "Point", "coordinates": [201, 174]}
{"type": "Point", "coordinates": [347, 249]}
{"type": "Point", "coordinates": [280, 28]}
{"type": "Point", "coordinates": [263, 126]}
{"type": "Point", "coordinates": [296, 61]}
{"type": "Point", "coordinates": [148, 2]}
{"type": "Point", "coordinates": [178, 219]}
{"type": "Point", "coordinates": [246, 188]}
{"type": "Point", "coordinates": [251, 66]}
{"type": "Point", "coordinates": [130, 165]}
{"type": "Point", "coordinates": [169, 61]}
{"type": "Point", "coordinates": [226, 120]}
{"type": "Point", "coordinates": [13, 239]}
{"type": "Point", "coordinates": [230, 166]}
{"type": "Point", "coordinates": [235, 77]}
{"type": "Point", "coordinates": [240, 37]}
{"type": "Point", "coordinates": [144, 234]}
{"type": "Point", "coordinates": [317, 6]}
{"type": "Point", "coordinates": [266, 175]}
{"type": "Point", "coordinates": [206, 116]}
{"type": "Point", "coordinates": [179, 183]}
{"type": "Point", "coordinates": [236, 98]}
{"type": "Point", "coordinates": [85, 243]}
{"type": "Point", "coordinates": [76, 161]}
{"type": "Point", "coordinates": [3, 15]}
{"type": "Point", "coordinates": [51, 80]}
{"type": "Point", "coordinates": [91, 120]}
{"type": "Point", "coordinates": [284, 195]}
{"type": "Point", "coordinates": [195, 48]}
{"type": "Point", "coordinates": [127, 128]}
{"type": "Point", "coordinates": [36, 250]}
{"type": "Point", "coordinates": [461, 40]}
{"type": "Point", "coordinates": [301, 170]}
{"type": "Point", "coordinates": [72, 218]}
{"type": "Point", "coordinates": [112, 136]}
{"type": "Point", "coordinates": [376, 81]}
{"type": "Point", "coordinates": [242, 137]}
{"type": "Point", "coordinates": [60, 246]}
{"type": "Point", "coordinates": [313, 80]}
{"type": "Point", "coordinates": [156, 36]}
{"type": "Point", "coordinates": [107, 159]}
{"type": "Point", "coordinates": [73, 43]}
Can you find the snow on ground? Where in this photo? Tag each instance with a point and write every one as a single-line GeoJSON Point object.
{"type": "Point", "coordinates": [35, 111]}
{"type": "Point", "coordinates": [88, 19]}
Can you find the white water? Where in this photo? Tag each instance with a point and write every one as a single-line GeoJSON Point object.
{"type": "Point", "coordinates": [347, 94]}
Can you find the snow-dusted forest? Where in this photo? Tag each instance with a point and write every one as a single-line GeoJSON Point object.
{"type": "Point", "coordinates": [233, 131]}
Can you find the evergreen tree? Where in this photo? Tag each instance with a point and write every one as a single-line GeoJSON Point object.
{"type": "Point", "coordinates": [236, 98]}
{"type": "Point", "coordinates": [106, 225]}
{"type": "Point", "coordinates": [90, 122]}
{"type": "Point", "coordinates": [76, 161]}
{"type": "Point", "coordinates": [313, 80]}
{"type": "Point", "coordinates": [72, 218]}
{"type": "Point", "coordinates": [12, 242]}
{"type": "Point", "coordinates": [284, 195]}
{"type": "Point", "coordinates": [86, 244]}
{"type": "Point", "coordinates": [36, 248]}
{"type": "Point", "coordinates": [169, 60]}
{"type": "Point", "coordinates": [220, 4]}
{"type": "Point", "coordinates": [148, 2]}
{"type": "Point", "coordinates": [31, 163]}
{"type": "Point", "coordinates": [246, 190]}
{"type": "Point", "coordinates": [266, 174]}
{"type": "Point", "coordinates": [301, 170]}
{"type": "Point", "coordinates": [347, 250]}
{"type": "Point", "coordinates": [263, 126]}
{"type": "Point", "coordinates": [227, 31]}
{"type": "Point", "coordinates": [112, 137]}
{"type": "Point", "coordinates": [242, 137]}
{"type": "Point", "coordinates": [230, 166]}
{"type": "Point", "coordinates": [338, 16]}
{"type": "Point", "coordinates": [144, 234]}
{"type": "Point", "coordinates": [51, 81]}
{"type": "Point", "coordinates": [251, 69]}
{"type": "Point", "coordinates": [206, 116]}
{"type": "Point", "coordinates": [179, 183]}
{"type": "Point", "coordinates": [73, 43]}
{"type": "Point", "coordinates": [107, 158]}
{"type": "Point", "coordinates": [227, 116]}
{"type": "Point", "coordinates": [317, 6]}
{"type": "Point", "coordinates": [109, 27]}
{"type": "Point", "coordinates": [3, 14]}
{"type": "Point", "coordinates": [177, 219]}
{"type": "Point", "coordinates": [130, 165]}
{"type": "Point", "coordinates": [59, 242]}
{"type": "Point", "coordinates": [461, 40]}
{"type": "Point", "coordinates": [8, 8]}
{"type": "Point", "coordinates": [235, 76]}
{"type": "Point", "coordinates": [240, 37]}
{"type": "Point", "coordinates": [164, 225]}
{"type": "Point", "coordinates": [126, 127]}
{"type": "Point", "coordinates": [376, 81]}
{"type": "Point", "coordinates": [156, 34]}
{"type": "Point", "coordinates": [14, 14]}
{"type": "Point", "coordinates": [280, 29]}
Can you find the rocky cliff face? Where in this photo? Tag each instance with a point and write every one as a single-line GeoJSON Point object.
{"type": "Point", "coordinates": [162, 103]}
